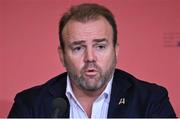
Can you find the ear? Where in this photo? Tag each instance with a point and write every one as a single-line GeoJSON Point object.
{"type": "Point", "coordinates": [117, 50]}
{"type": "Point", "coordinates": [61, 55]}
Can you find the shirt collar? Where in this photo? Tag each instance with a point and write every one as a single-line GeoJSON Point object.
{"type": "Point", "coordinates": [69, 92]}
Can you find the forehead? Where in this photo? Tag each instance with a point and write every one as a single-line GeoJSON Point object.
{"type": "Point", "coordinates": [92, 29]}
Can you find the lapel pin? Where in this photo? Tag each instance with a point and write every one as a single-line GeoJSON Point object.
{"type": "Point", "coordinates": [122, 101]}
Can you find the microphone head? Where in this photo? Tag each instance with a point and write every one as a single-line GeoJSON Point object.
{"type": "Point", "coordinates": [59, 106]}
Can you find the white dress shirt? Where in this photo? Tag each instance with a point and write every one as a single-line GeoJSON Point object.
{"type": "Point", "coordinates": [100, 105]}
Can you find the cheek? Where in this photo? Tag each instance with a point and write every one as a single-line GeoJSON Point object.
{"type": "Point", "coordinates": [105, 59]}
{"type": "Point", "coordinates": [73, 63]}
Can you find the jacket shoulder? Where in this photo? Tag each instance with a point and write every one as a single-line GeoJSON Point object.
{"type": "Point", "coordinates": [151, 99]}
{"type": "Point", "coordinates": [141, 89]}
{"type": "Point", "coordinates": [34, 102]}
{"type": "Point", "coordinates": [33, 94]}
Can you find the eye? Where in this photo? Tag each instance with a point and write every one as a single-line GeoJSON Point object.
{"type": "Point", "coordinates": [78, 49]}
{"type": "Point", "coordinates": [101, 47]}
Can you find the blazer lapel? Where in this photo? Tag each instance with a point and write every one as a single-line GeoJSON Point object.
{"type": "Point", "coordinates": [118, 94]}
{"type": "Point", "coordinates": [58, 90]}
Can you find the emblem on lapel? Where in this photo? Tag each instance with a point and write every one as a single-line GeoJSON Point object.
{"type": "Point", "coordinates": [122, 101]}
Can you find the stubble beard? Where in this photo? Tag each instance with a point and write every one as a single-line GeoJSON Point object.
{"type": "Point", "coordinates": [102, 77]}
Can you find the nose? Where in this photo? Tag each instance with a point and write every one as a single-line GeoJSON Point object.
{"type": "Point", "coordinates": [89, 55]}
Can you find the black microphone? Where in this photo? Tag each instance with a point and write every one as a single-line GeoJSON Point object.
{"type": "Point", "coordinates": [59, 106]}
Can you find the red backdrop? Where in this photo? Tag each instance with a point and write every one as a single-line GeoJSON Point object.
{"type": "Point", "coordinates": [149, 38]}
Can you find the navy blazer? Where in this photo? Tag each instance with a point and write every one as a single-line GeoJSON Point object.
{"type": "Point", "coordinates": [130, 97]}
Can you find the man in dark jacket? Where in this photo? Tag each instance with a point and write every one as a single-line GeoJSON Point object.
{"type": "Point", "coordinates": [92, 87]}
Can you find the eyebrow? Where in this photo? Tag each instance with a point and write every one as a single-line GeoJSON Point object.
{"type": "Point", "coordinates": [100, 40]}
{"type": "Point", "coordinates": [83, 42]}
{"type": "Point", "coordinates": [77, 42]}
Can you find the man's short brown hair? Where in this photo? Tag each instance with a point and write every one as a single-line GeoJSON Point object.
{"type": "Point", "coordinates": [85, 12]}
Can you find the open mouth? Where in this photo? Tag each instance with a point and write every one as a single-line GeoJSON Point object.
{"type": "Point", "coordinates": [91, 72]}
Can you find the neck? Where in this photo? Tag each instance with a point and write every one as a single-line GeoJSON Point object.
{"type": "Point", "coordinates": [86, 98]}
